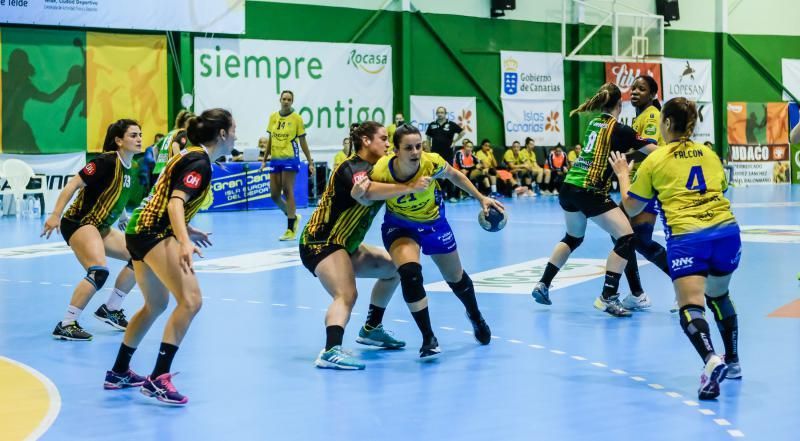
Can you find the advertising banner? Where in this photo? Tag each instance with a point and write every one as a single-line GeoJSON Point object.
{"type": "Point", "coordinates": [541, 120]}
{"type": "Point", "coordinates": [791, 77]}
{"type": "Point", "coordinates": [623, 75]}
{"type": "Point", "coordinates": [58, 169]}
{"type": "Point", "coordinates": [758, 123]}
{"type": "Point", "coordinates": [532, 75]}
{"type": "Point", "coordinates": [690, 79]}
{"type": "Point", "coordinates": [334, 84]}
{"type": "Point", "coordinates": [225, 17]}
{"type": "Point", "coordinates": [704, 129]}
{"type": "Point", "coordinates": [240, 186]}
{"type": "Point", "coordinates": [461, 110]}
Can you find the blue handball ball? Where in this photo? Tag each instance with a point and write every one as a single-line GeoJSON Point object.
{"type": "Point", "coordinates": [494, 221]}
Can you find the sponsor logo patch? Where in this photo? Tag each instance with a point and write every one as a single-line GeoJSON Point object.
{"type": "Point", "coordinates": [193, 180]}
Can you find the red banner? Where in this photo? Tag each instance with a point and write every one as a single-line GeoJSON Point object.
{"type": "Point", "coordinates": [623, 74]}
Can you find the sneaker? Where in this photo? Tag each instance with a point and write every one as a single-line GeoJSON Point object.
{"type": "Point", "coordinates": [481, 330]}
{"type": "Point", "coordinates": [114, 318]}
{"type": "Point", "coordinates": [289, 234]}
{"type": "Point", "coordinates": [430, 350]}
{"type": "Point", "coordinates": [541, 293]}
{"type": "Point", "coordinates": [713, 374]}
{"type": "Point", "coordinates": [71, 332]}
{"type": "Point", "coordinates": [378, 337]}
{"type": "Point", "coordinates": [163, 390]}
{"type": "Point", "coordinates": [636, 303]}
{"type": "Point", "coordinates": [734, 371]}
{"type": "Point", "coordinates": [337, 358]}
{"type": "Point", "coordinates": [122, 381]}
{"type": "Point", "coordinates": [612, 306]}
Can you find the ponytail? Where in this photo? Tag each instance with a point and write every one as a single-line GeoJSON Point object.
{"type": "Point", "coordinates": [182, 118]}
{"type": "Point", "coordinates": [682, 114]}
{"type": "Point", "coordinates": [605, 99]}
{"type": "Point", "coordinates": [205, 128]}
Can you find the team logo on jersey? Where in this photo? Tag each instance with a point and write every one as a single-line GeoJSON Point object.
{"type": "Point", "coordinates": [359, 176]}
{"type": "Point", "coordinates": [90, 168]}
{"type": "Point", "coordinates": [193, 180]}
{"type": "Point", "coordinates": [510, 76]}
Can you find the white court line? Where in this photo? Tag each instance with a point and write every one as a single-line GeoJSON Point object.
{"type": "Point", "coordinates": [254, 301]}
{"type": "Point", "coordinates": [496, 337]}
{"type": "Point", "coordinates": [45, 283]}
{"type": "Point", "coordinates": [447, 328]}
{"type": "Point", "coordinates": [598, 364]}
{"type": "Point", "coordinates": [516, 342]}
{"type": "Point", "coordinates": [619, 372]}
{"type": "Point", "coordinates": [706, 411]}
{"type": "Point", "coordinates": [225, 299]}
{"type": "Point", "coordinates": [674, 395]}
{"type": "Point", "coordinates": [656, 386]}
{"type": "Point", "coordinates": [536, 346]}
{"type": "Point", "coordinates": [579, 358]}
{"type": "Point", "coordinates": [52, 392]}
{"type": "Point", "coordinates": [400, 321]}
{"type": "Point", "coordinates": [279, 304]}
{"type": "Point", "coordinates": [25, 281]}
{"type": "Point", "coordinates": [467, 332]}
{"type": "Point", "coordinates": [722, 421]}
{"type": "Point", "coordinates": [691, 403]}
{"type": "Point", "coordinates": [736, 433]}
{"type": "Point", "coordinates": [557, 352]}
{"type": "Point", "coordinates": [637, 378]}
{"type": "Point", "coordinates": [306, 307]}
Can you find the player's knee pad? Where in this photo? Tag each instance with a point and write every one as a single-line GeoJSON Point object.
{"type": "Point", "coordinates": [693, 319]}
{"type": "Point", "coordinates": [411, 282]}
{"type": "Point", "coordinates": [624, 247]}
{"type": "Point", "coordinates": [129, 264]}
{"type": "Point", "coordinates": [723, 309]}
{"type": "Point", "coordinates": [463, 285]}
{"type": "Point", "coordinates": [97, 276]}
{"type": "Point", "coordinates": [572, 242]}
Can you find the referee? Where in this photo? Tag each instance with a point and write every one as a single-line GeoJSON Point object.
{"type": "Point", "coordinates": [443, 134]}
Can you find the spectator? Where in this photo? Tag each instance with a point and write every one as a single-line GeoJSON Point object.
{"type": "Point", "coordinates": [557, 164]}
{"type": "Point", "coordinates": [442, 135]}
{"type": "Point", "coordinates": [237, 156]}
{"type": "Point", "coordinates": [343, 154]}
{"type": "Point", "coordinates": [426, 146]}
{"type": "Point", "coordinates": [574, 154]}
{"type": "Point", "coordinates": [539, 174]}
{"type": "Point", "coordinates": [399, 120]}
{"type": "Point", "coordinates": [517, 163]}
{"type": "Point", "coordinates": [490, 166]}
{"type": "Point", "coordinates": [470, 166]}
{"type": "Point", "coordinates": [262, 148]}
{"type": "Point", "coordinates": [146, 165]}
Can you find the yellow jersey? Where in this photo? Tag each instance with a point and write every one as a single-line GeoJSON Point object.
{"type": "Point", "coordinates": [390, 132]}
{"type": "Point", "coordinates": [486, 158]}
{"type": "Point", "coordinates": [519, 160]}
{"type": "Point", "coordinates": [283, 133]}
{"type": "Point", "coordinates": [339, 158]}
{"type": "Point", "coordinates": [423, 207]}
{"type": "Point", "coordinates": [647, 124]}
{"type": "Point", "coordinates": [689, 181]}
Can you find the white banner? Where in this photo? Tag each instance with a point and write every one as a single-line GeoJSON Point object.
{"type": "Point", "coordinates": [460, 110]}
{"type": "Point", "coordinates": [334, 84]}
{"type": "Point", "coordinates": [690, 79]}
{"type": "Point", "coordinates": [57, 168]}
{"type": "Point", "coordinates": [532, 75]}
{"type": "Point", "coordinates": [225, 17]}
{"type": "Point", "coordinates": [767, 172]}
{"type": "Point", "coordinates": [541, 120]}
{"type": "Point", "coordinates": [704, 129]}
{"type": "Point", "coordinates": [791, 77]}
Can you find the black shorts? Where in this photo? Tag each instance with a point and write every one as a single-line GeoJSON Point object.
{"type": "Point", "coordinates": [140, 244]}
{"type": "Point", "coordinates": [589, 202]}
{"type": "Point", "coordinates": [312, 254]}
{"type": "Point", "coordinates": [68, 227]}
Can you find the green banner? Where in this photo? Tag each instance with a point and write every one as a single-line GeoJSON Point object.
{"type": "Point", "coordinates": [43, 91]}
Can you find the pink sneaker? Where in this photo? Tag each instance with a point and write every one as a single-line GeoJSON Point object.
{"type": "Point", "coordinates": [163, 390]}
{"type": "Point", "coordinates": [713, 374]}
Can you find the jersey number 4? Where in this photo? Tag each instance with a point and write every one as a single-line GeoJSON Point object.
{"type": "Point", "coordinates": [696, 175]}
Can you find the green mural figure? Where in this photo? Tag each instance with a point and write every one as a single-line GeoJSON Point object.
{"type": "Point", "coordinates": [753, 125]}
{"type": "Point", "coordinates": [18, 90]}
{"type": "Point", "coordinates": [143, 97]}
{"type": "Point", "coordinates": [80, 92]}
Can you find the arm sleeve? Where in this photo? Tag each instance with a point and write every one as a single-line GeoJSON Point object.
{"type": "Point", "coordinates": [625, 138]}
{"type": "Point", "coordinates": [191, 176]}
{"type": "Point", "coordinates": [457, 128]}
{"type": "Point", "coordinates": [96, 170]}
{"type": "Point", "coordinates": [428, 132]}
{"type": "Point", "coordinates": [642, 183]}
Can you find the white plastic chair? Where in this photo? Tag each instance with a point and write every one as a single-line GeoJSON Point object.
{"type": "Point", "coordinates": [18, 174]}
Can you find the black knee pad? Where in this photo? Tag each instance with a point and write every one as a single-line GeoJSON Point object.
{"type": "Point", "coordinates": [693, 319]}
{"type": "Point", "coordinates": [130, 263]}
{"type": "Point", "coordinates": [411, 282]}
{"type": "Point", "coordinates": [572, 242]}
{"type": "Point", "coordinates": [463, 285]}
{"type": "Point", "coordinates": [722, 307]}
{"type": "Point", "coordinates": [624, 247]}
{"type": "Point", "coordinates": [97, 276]}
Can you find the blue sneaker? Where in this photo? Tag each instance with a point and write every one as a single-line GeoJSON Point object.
{"type": "Point", "coordinates": [163, 390]}
{"type": "Point", "coordinates": [122, 381]}
{"type": "Point", "coordinates": [378, 337]}
{"type": "Point", "coordinates": [338, 358]}
{"type": "Point", "coordinates": [541, 293]}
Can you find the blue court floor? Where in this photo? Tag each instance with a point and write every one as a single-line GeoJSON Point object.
{"type": "Point", "coordinates": [567, 372]}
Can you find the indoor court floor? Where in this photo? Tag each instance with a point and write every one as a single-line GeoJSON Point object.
{"type": "Point", "coordinates": [565, 372]}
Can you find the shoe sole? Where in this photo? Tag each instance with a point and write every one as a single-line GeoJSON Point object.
{"type": "Point", "coordinates": [62, 337]}
{"type": "Point", "coordinates": [148, 394]}
{"type": "Point", "coordinates": [114, 386]}
{"type": "Point", "coordinates": [711, 390]}
{"type": "Point", "coordinates": [540, 299]}
{"type": "Point", "coordinates": [110, 323]}
{"type": "Point", "coordinates": [378, 344]}
{"type": "Point", "coordinates": [322, 364]}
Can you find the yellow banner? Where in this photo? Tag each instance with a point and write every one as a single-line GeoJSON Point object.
{"type": "Point", "coordinates": [126, 77]}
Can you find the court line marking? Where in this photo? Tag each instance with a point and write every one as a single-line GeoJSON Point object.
{"type": "Point", "coordinates": [52, 392]}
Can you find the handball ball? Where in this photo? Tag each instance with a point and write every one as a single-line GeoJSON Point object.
{"type": "Point", "coordinates": [494, 221]}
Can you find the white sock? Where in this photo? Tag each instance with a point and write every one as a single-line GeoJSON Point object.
{"type": "Point", "coordinates": [115, 299]}
{"type": "Point", "coordinates": [494, 188]}
{"type": "Point", "coordinates": [71, 316]}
